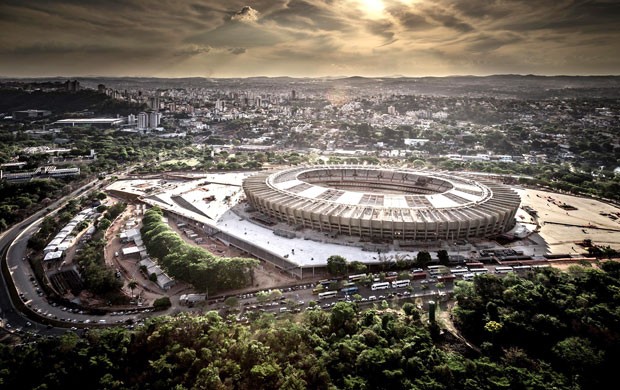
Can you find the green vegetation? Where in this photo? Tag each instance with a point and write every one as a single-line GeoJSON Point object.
{"type": "Point", "coordinates": [19, 200]}
{"type": "Point", "coordinates": [336, 265]}
{"type": "Point", "coordinates": [61, 102]}
{"type": "Point", "coordinates": [97, 276]}
{"type": "Point", "coordinates": [549, 330]}
{"type": "Point", "coordinates": [191, 263]}
{"type": "Point", "coordinates": [162, 303]}
{"type": "Point", "coordinates": [569, 320]}
{"type": "Point", "coordinates": [344, 348]}
{"type": "Point", "coordinates": [423, 258]}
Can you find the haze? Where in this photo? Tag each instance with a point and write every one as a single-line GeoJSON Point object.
{"type": "Point", "coordinates": [229, 38]}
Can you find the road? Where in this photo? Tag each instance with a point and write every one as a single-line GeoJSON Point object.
{"type": "Point", "coordinates": [34, 298]}
{"type": "Point", "coordinates": [20, 270]}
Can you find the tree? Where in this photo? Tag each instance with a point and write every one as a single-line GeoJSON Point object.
{"type": "Point", "coordinates": [81, 226]}
{"type": "Point", "coordinates": [443, 257]}
{"type": "Point", "coordinates": [336, 265]}
{"type": "Point", "coordinates": [162, 303]}
{"type": "Point", "coordinates": [131, 285]}
{"type": "Point", "coordinates": [423, 258]}
{"type": "Point", "coordinates": [408, 308]}
{"type": "Point", "coordinates": [357, 267]}
{"type": "Point", "coordinates": [275, 294]}
{"type": "Point", "coordinates": [104, 224]}
{"type": "Point", "coordinates": [343, 317]}
{"type": "Point", "coordinates": [262, 296]}
{"type": "Point", "coordinates": [231, 302]}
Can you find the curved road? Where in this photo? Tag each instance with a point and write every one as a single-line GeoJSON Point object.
{"type": "Point", "coordinates": [20, 270]}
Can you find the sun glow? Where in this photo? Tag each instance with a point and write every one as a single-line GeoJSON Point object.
{"type": "Point", "coordinates": [373, 8]}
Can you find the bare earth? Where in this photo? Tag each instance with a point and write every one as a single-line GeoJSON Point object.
{"type": "Point", "coordinates": [265, 275]}
{"type": "Point", "coordinates": [587, 221]}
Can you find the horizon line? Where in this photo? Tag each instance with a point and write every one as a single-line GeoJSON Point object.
{"type": "Point", "coordinates": [313, 77]}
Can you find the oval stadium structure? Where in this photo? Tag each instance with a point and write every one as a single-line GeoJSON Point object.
{"type": "Point", "coordinates": [377, 202]}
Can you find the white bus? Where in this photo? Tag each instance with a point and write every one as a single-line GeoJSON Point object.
{"type": "Point", "coordinates": [469, 276]}
{"type": "Point", "coordinates": [354, 278]}
{"type": "Point", "coordinates": [327, 295]}
{"type": "Point", "coordinates": [401, 283]}
{"type": "Point", "coordinates": [438, 269]}
{"type": "Point", "coordinates": [459, 271]}
{"type": "Point", "coordinates": [522, 268]}
{"type": "Point", "coordinates": [479, 271]}
{"type": "Point", "coordinates": [380, 286]}
{"type": "Point", "coordinates": [503, 270]}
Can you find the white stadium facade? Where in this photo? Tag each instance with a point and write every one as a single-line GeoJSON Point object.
{"type": "Point", "coordinates": [381, 203]}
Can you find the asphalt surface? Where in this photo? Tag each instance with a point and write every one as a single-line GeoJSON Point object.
{"type": "Point", "coordinates": [19, 269]}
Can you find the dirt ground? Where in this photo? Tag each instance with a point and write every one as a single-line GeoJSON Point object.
{"type": "Point", "coordinates": [561, 228]}
{"type": "Point", "coordinates": [265, 275]}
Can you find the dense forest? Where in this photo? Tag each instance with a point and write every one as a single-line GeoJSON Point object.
{"type": "Point", "coordinates": [550, 330]}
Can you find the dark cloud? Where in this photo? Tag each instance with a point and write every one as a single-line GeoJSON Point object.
{"type": "Point", "coordinates": [382, 28]}
{"type": "Point", "coordinates": [237, 50]}
{"type": "Point", "coordinates": [314, 36]}
{"type": "Point", "coordinates": [246, 14]}
{"type": "Point", "coordinates": [484, 43]}
{"type": "Point", "coordinates": [479, 9]}
{"type": "Point", "coordinates": [410, 20]}
{"type": "Point", "coordinates": [528, 15]}
{"type": "Point", "coordinates": [449, 20]}
{"type": "Point", "coordinates": [387, 43]}
{"type": "Point", "coordinates": [305, 14]}
{"type": "Point", "coordinates": [57, 48]}
{"type": "Point", "coordinates": [236, 35]}
{"type": "Point", "coordinates": [192, 50]}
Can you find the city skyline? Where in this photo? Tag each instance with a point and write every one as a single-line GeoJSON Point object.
{"type": "Point", "coordinates": [312, 38]}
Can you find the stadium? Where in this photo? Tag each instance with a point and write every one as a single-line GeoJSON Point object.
{"type": "Point", "coordinates": [381, 203]}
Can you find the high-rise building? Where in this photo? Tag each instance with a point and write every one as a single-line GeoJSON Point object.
{"type": "Point", "coordinates": [143, 120]}
{"type": "Point", "coordinates": [131, 119]}
{"type": "Point", "coordinates": [72, 85]}
{"type": "Point", "coordinates": [154, 103]}
{"type": "Point", "coordinates": [154, 119]}
{"type": "Point", "coordinates": [258, 101]}
{"type": "Point", "coordinates": [293, 95]}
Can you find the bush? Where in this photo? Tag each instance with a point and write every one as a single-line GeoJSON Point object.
{"type": "Point", "coordinates": [162, 303]}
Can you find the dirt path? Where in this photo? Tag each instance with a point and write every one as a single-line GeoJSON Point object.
{"type": "Point", "coordinates": [444, 317]}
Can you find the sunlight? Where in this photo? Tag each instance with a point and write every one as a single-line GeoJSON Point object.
{"type": "Point", "coordinates": [373, 8]}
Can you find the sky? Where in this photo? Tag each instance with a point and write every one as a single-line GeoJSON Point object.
{"type": "Point", "coordinates": [308, 38]}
